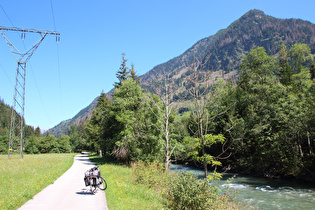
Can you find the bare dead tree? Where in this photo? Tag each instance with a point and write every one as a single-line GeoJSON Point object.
{"type": "Point", "coordinates": [200, 90]}
{"type": "Point", "coordinates": [165, 109]}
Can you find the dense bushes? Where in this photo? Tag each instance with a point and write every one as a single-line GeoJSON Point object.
{"type": "Point", "coordinates": [47, 143]}
{"type": "Point", "coordinates": [185, 191]}
{"type": "Point", "coordinates": [150, 174]}
{"type": "Point", "coordinates": [275, 108]}
{"type": "Point", "coordinates": [182, 190]}
{"type": "Point", "coordinates": [37, 143]}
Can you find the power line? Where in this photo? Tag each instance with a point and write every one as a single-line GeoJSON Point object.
{"type": "Point", "coordinates": [53, 14]}
{"type": "Point", "coordinates": [40, 96]}
{"type": "Point", "coordinates": [6, 15]}
{"type": "Point", "coordinates": [59, 76]}
{"type": "Point", "coordinates": [6, 75]}
{"type": "Point", "coordinates": [58, 60]}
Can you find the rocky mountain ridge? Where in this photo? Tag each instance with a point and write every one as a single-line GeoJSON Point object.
{"type": "Point", "coordinates": [220, 53]}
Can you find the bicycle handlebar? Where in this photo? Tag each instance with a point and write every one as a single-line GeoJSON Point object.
{"type": "Point", "coordinates": [95, 168]}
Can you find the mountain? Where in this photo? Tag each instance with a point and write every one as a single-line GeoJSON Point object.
{"type": "Point", "coordinates": [224, 51]}
{"type": "Point", "coordinates": [221, 53]}
{"type": "Point", "coordinates": [5, 122]}
{"type": "Point", "coordinates": [78, 119]}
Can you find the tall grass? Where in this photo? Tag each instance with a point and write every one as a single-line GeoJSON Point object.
{"type": "Point", "coordinates": [21, 179]}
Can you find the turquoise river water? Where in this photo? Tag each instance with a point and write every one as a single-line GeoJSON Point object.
{"type": "Point", "coordinates": [262, 192]}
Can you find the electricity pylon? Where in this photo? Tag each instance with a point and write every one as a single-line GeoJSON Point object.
{"type": "Point", "coordinates": [16, 131]}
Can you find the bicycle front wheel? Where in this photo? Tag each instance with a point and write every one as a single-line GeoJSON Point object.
{"type": "Point", "coordinates": [103, 184]}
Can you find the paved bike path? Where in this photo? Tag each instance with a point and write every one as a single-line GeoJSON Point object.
{"type": "Point", "coordinates": [69, 191]}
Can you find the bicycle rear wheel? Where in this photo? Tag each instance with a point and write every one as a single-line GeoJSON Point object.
{"type": "Point", "coordinates": [103, 184]}
{"type": "Point", "coordinates": [93, 189]}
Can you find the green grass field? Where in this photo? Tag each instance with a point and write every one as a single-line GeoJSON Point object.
{"type": "Point", "coordinates": [122, 191]}
{"type": "Point", "coordinates": [21, 179]}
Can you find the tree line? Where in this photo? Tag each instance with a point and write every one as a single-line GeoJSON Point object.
{"type": "Point", "coordinates": [263, 124]}
{"type": "Point", "coordinates": [37, 143]}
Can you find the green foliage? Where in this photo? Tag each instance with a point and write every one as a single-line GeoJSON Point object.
{"type": "Point", "coordinates": [277, 116]}
{"type": "Point", "coordinates": [150, 174]}
{"type": "Point", "coordinates": [34, 141]}
{"type": "Point", "coordinates": [220, 53]}
{"type": "Point", "coordinates": [31, 146]}
{"type": "Point", "coordinates": [263, 125]}
{"type": "Point", "coordinates": [4, 142]}
{"type": "Point", "coordinates": [125, 128]}
{"type": "Point", "coordinates": [102, 126]}
{"type": "Point", "coordinates": [37, 144]}
{"type": "Point", "coordinates": [127, 100]}
{"type": "Point", "coordinates": [186, 191]}
{"type": "Point", "coordinates": [182, 190]}
{"type": "Point", "coordinates": [64, 144]}
{"type": "Point", "coordinates": [208, 141]}
{"type": "Point", "coordinates": [5, 121]}
{"type": "Point", "coordinates": [124, 73]}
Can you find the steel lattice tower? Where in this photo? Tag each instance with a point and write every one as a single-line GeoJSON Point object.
{"type": "Point", "coordinates": [17, 124]}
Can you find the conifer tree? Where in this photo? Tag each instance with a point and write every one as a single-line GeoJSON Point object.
{"type": "Point", "coordinates": [133, 74]}
{"type": "Point", "coordinates": [122, 73]}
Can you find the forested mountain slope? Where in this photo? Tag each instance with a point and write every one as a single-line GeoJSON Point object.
{"type": "Point", "coordinates": [224, 50]}
{"type": "Point", "coordinates": [220, 53]}
{"type": "Point", "coordinates": [78, 119]}
{"type": "Point", "coordinates": [5, 122]}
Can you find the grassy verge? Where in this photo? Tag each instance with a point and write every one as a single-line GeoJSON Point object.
{"type": "Point", "coordinates": [122, 191]}
{"type": "Point", "coordinates": [21, 179]}
{"type": "Point", "coordinates": [145, 186]}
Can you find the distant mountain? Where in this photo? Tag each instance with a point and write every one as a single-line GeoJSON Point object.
{"type": "Point", "coordinates": [81, 117]}
{"type": "Point", "coordinates": [221, 53]}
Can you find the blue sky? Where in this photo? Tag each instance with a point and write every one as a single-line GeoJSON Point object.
{"type": "Point", "coordinates": [64, 78]}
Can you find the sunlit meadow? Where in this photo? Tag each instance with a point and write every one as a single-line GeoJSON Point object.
{"type": "Point", "coordinates": [21, 179]}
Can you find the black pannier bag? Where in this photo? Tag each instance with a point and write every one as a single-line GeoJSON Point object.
{"type": "Point", "coordinates": [91, 177]}
{"type": "Point", "coordinates": [87, 179]}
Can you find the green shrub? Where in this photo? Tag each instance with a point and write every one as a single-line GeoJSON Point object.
{"type": "Point", "coordinates": [150, 174]}
{"type": "Point", "coordinates": [182, 190]}
{"type": "Point", "coordinates": [186, 191]}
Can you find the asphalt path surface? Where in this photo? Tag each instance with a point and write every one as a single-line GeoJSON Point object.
{"type": "Point", "coordinates": [69, 191]}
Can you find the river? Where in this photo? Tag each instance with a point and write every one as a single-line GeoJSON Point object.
{"type": "Point", "coordinates": [262, 192]}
